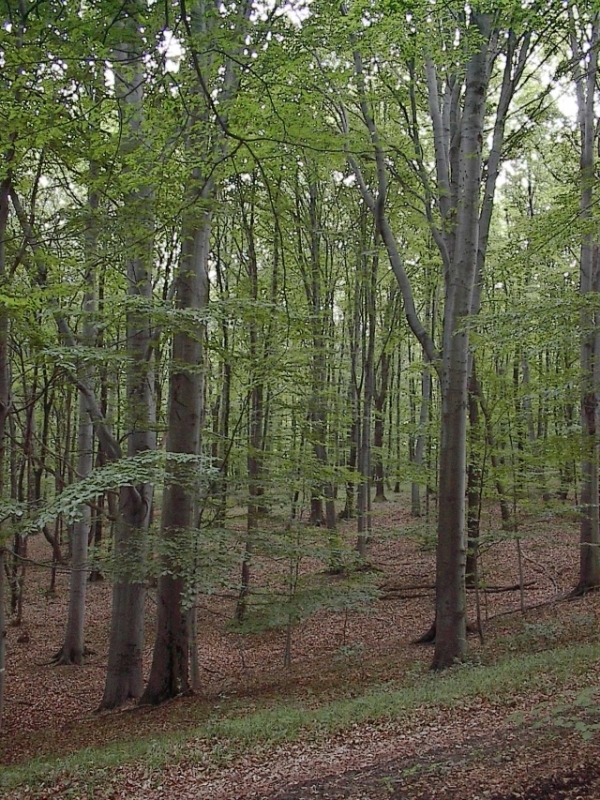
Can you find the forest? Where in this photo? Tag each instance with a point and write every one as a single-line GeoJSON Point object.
{"type": "Point", "coordinates": [299, 389]}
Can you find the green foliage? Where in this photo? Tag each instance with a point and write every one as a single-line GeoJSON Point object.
{"type": "Point", "coordinates": [146, 467]}
{"type": "Point", "coordinates": [578, 714]}
{"type": "Point", "coordinates": [545, 635]}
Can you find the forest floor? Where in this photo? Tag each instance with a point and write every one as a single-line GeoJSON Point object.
{"type": "Point", "coordinates": [356, 714]}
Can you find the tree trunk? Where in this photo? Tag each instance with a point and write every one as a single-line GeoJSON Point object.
{"type": "Point", "coordinates": [256, 422]}
{"type": "Point", "coordinates": [2, 632]}
{"type": "Point", "coordinates": [474, 482]}
{"type": "Point", "coordinates": [322, 505]}
{"type": "Point", "coordinates": [4, 411]}
{"type": "Point", "coordinates": [124, 679]}
{"type": "Point", "coordinates": [169, 674]}
{"type": "Point", "coordinates": [450, 640]}
{"type": "Point", "coordinates": [73, 647]}
{"type": "Point", "coordinates": [419, 449]}
{"type": "Point", "coordinates": [378, 429]}
{"type": "Point", "coordinates": [585, 79]}
{"type": "Point", "coordinates": [349, 511]}
{"type": "Point", "coordinates": [457, 99]}
{"type": "Point", "coordinates": [364, 518]}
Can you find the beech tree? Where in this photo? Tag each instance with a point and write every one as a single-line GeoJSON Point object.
{"type": "Point", "coordinates": [214, 80]}
{"type": "Point", "coordinates": [585, 39]}
{"type": "Point", "coordinates": [73, 648]}
{"type": "Point", "coordinates": [457, 203]}
{"type": "Point", "coordinates": [280, 162]}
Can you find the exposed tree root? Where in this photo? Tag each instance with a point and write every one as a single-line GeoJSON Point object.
{"type": "Point", "coordinates": [581, 590]}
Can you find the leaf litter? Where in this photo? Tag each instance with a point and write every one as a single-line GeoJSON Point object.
{"type": "Point", "coordinates": [474, 748]}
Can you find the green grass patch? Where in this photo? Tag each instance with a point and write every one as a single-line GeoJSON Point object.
{"type": "Point", "coordinates": [220, 738]}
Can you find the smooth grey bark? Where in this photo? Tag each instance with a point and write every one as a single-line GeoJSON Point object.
{"type": "Point", "coordinates": [457, 111]}
{"type": "Point", "coordinates": [317, 297]}
{"type": "Point", "coordinates": [383, 375]}
{"type": "Point", "coordinates": [73, 647]}
{"type": "Point", "coordinates": [222, 406]}
{"type": "Point", "coordinates": [169, 673]}
{"type": "Point", "coordinates": [124, 680]}
{"type": "Point", "coordinates": [463, 247]}
{"type": "Point", "coordinates": [352, 322]}
{"type": "Point", "coordinates": [419, 449]}
{"type": "Point", "coordinates": [586, 75]}
{"type": "Point", "coordinates": [516, 52]}
{"type": "Point", "coordinates": [4, 411]}
{"type": "Point", "coordinates": [5, 396]}
{"type": "Point", "coordinates": [363, 506]}
{"type": "Point", "coordinates": [256, 413]}
{"type": "Point", "coordinates": [380, 400]}
{"type": "Point", "coordinates": [349, 510]}
{"type": "Point", "coordinates": [450, 641]}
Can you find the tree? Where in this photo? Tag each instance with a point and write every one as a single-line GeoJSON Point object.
{"type": "Point", "coordinates": [73, 648]}
{"type": "Point", "coordinates": [585, 68]}
{"type": "Point", "coordinates": [124, 672]}
{"type": "Point", "coordinates": [205, 146]}
{"type": "Point", "coordinates": [457, 92]}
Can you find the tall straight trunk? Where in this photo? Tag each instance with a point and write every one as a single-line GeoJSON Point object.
{"type": "Point", "coordinates": [457, 100]}
{"type": "Point", "coordinates": [378, 428]}
{"type": "Point", "coordinates": [4, 411]}
{"type": "Point", "coordinates": [169, 674]}
{"type": "Point", "coordinates": [256, 413]}
{"type": "Point", "coordinates": [73, 647]}
{"type": "Point", "coordinates": [364, 518]}
{"type": "Point", "coordinates": [223, 404]}
{"type": "Point", "coordinates": [398, 418]}
{"type": "Point", "coordinates": [419, 449]}
{"type": "Point", "coordinates": [586, 74]}
{"type": "Point", "coordinates": [26, 492]}
{"type": "Point", "coordinates": [5, 399]}
{"type": "Point", "coordinates": [450, 640]}
{"type": "Point", "coordinates": [106, 499]}
{"type": "Point", "coordinates": [349, 511]}
{"type": "Point", "coordinates": [474, 482]}
{"type": "Point", "coordinates": [322, 500]}
{"type": "Point", "coordinates": [255, 490]}
{"type": "Point", "coordinates": [124, 678]}
{"type": "Point", "coordinates": [363, 506]}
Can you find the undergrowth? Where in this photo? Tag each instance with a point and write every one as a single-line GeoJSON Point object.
{"type": "Point", "coordinates": [223, 736]}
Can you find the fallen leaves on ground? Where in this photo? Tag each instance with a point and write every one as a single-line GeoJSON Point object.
{"type": "Point", "coordinates": [473, 750]}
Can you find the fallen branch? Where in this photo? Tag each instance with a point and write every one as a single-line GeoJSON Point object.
{"type": "Point", "coordinates": [555, 599]}
{"type": "Point", "coordinates": [498, 589]}
{"type": "Point", "coordinates": [398, 591]}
